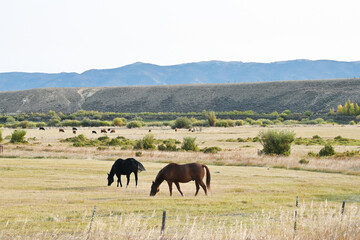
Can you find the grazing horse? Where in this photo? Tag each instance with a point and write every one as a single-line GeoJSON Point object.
{"type": "Point", "coordinates": [175, 173]}
{"type": "Point", "coordinates": [112, 131]}
{"type": "Point", "coordinates": [103, 131]}
{"type": "Point", "coordinates": [61, 130]}
{"type": "Point", "coordinates": [125, 167]}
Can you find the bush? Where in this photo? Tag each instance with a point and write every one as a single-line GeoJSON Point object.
{"type": "Point", "coordinates": [211, 117]}
{"type": "Point", "coordinates": [134, 124]}
{"type": "Point", "coordinates": [138, 154]}
{"type": "Point", "coordinates": [240, 122]}
{"type": "Point", "coordinates": [304, 161]}
{"type": "Point", "coordinates": [182, 122]}
{"type": "Point", "coordinates": [211, 149]}
{"type": "Point", "coordinates": [223, 123]}
{"type": "Point", "coordinates": [18, 136]}
{"type": "Point", "coordinates": [168, 145]}
{"type": "Point", "coordinates": [189, 144]}
{"type": "Point", "coordinates": [1, 138]}
{"type": "Point", "coordinates": [327, 150]}
{"type": "Point", "coordinates": [119, 122]}
{"type": "Point", "coordinates": [352, 123]}
{"type": "Point", "coordinates": [276, 141]}
{"type": "Point", "coordinates": [146, 143]}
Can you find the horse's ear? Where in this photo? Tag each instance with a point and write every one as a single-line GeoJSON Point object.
{"type": "Point", "coordinates": [153, 182]}
{"type": "Point", "coordinates": [108, 174]}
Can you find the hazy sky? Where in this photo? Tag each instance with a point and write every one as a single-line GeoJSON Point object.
{"type": "Point", "coordinates": [77, 35]}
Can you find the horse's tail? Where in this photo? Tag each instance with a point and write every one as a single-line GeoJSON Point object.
{"type": "Point", "coordinates": [208, 177]}
{"type": "Point", "coordinates": [140, 166]}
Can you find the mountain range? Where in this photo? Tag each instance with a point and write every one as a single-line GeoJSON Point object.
{"type": "Point", "coordinates": [189, 73]}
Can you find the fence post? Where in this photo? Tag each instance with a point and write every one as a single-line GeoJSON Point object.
{"type": "Point", "coordinates": [297, 205]}
{"type": "Point", "coordinates": [163, 222]}
{"type": "Point", "coordinates": [342, 210]}
{"type": "Point", "coordinates": [92, 219]}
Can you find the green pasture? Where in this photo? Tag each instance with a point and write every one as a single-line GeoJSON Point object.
{"type": "Point", "coordinates": [47, 194]}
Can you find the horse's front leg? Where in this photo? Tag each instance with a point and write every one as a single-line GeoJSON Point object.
{"type": "Point", "coordinates": [128, 180]}
{"type": "Point", "coordinates": [178, 187]}
{"type": "Point", "coordinates": [170, 187]}
{"type": "Point", "coordinates": [119, 181]}
{"type": "Point", "coordinates": [136, 178]}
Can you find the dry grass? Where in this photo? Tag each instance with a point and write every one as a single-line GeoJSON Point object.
{"type": "Point", "coordinates": [49, 189]}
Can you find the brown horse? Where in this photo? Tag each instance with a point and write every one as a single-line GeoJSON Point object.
{"type": "Point", "coordinates": [175, 173]}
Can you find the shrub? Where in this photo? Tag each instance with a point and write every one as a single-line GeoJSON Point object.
{"type": "Point", "coordinates": [276, 141]}
{"type": "Point", "coordinates": [312, 154]}
{"type": "Point", "coordinates": [134, 124]}
{"type": "Point", "coordinates": [146, 143]}
{"type": "Point", "coordinates": [352, 123]}
{"type": "Point", "coordinates": [1, 138]}
{"type": "Point", "coordinates": [304, 161]}
{"type": "Point", "coordinates": [182, 122]}
{"type": "Point", "coordinates": [327, 150]}
{"type": "Point", "coordinates": [239, 122]}
{"type": "Point", "coordinates": [222, 123]}
{"type": "Point", "coordinates": [119, 122]}
{"type": "Point", "coordinates": [18, 136]}
{"type": "Point", "coordinates": [211, 117]}
{"type": "Point", "coordinates": [211, 149]}
{"type": "Point", "coordinates": [168, 145]}
{"type": "Point", "coordinates": [115, 142]}
{"type": "Point", "coordinates": [189, 144]}
{"type": "Point", "coordinates": [138, 154]}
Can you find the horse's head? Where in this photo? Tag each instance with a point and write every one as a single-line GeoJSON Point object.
{"type": "Point", "coordinates": [154, 189]}
{"type": "Point", "coordinates": [110, 179]}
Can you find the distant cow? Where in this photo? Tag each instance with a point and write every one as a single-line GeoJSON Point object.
{"type": "Point", "coordinates": [109, 129]}
{"type": "Point", "coordinates": [74, 129]}
{"type": "Point", "coordinates": [74, 132]}
{"type": "Point", "coordinates": [41, 128]}
{"type": "Point", "coordinates": [103, 131]}
{"type": "Point", "coordinates": [149, 130]}
{"type": "Point", "coordinates": [112, 131]}
{"type": "Point", "coordinates": [176, 129]}
{"type": "Point", "coordinates": [61, 130]}
{"type": "Point", "coordinates": [94, 132]}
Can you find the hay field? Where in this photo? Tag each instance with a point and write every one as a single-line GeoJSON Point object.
{"type": "Point", "coordinates": [49, 189]}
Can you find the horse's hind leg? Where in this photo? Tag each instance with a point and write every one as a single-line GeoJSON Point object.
{"type": "Point", "coordinates": [202, 184]}
{"type": "Point", "coordinates": [128, 180]}
{"type": "Point", "coordinates": [170, 187]}
{"type": "Point", "coordinates": [178, 187]}
{"type": "Point", "coordinates": [197, 187]}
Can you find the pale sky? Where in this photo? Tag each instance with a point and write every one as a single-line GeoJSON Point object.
{"type": "Point", "coordinates": [78, 35]}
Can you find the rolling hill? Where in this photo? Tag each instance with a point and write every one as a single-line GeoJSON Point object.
{"type": "Point", "coordinates": [317, 96]}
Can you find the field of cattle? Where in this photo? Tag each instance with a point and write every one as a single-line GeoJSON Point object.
{"type": "Point", "coordinates": [49, 188]}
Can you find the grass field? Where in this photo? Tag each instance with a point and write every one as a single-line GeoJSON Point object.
{"type": "Point", "coordinates": [49, 189]}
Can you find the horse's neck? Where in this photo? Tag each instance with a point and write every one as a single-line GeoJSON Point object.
{"type": "Point", "coordinates": [159, 179]}
{"type": "Point", "coordinates": [112, 171]}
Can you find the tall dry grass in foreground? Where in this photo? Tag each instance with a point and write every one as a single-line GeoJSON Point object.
{"type": "Point", "coordinates": [323, 222]}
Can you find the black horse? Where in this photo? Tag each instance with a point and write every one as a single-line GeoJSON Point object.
{"type": "Point", "coordinates": [125, 167]}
